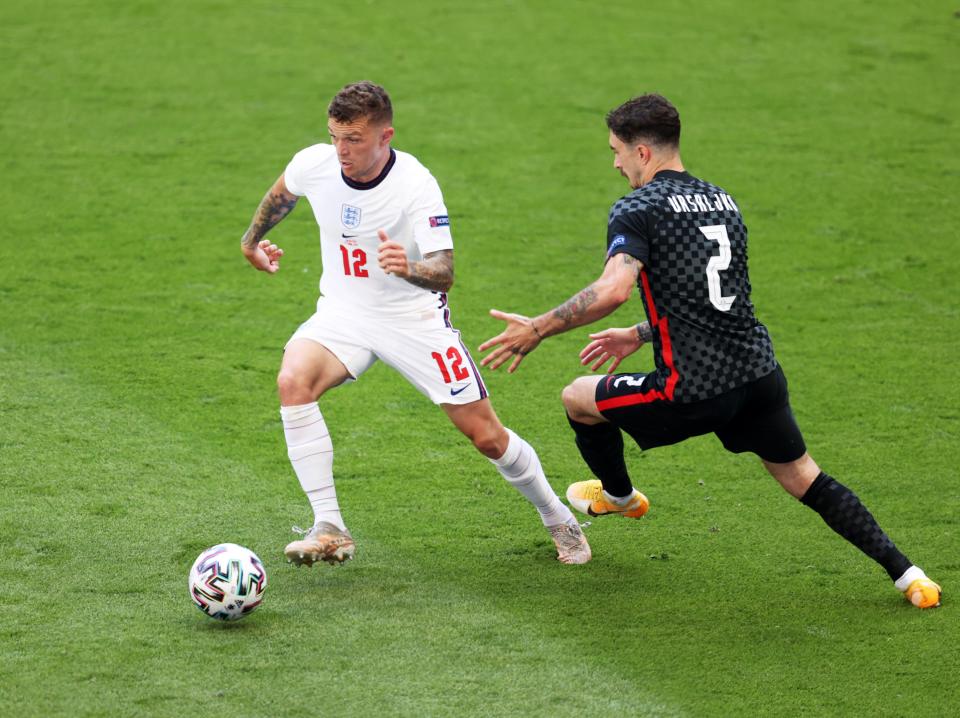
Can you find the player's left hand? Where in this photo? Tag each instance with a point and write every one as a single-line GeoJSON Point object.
{"type": "Point", "coordinates": [265, 256]}
{"type": "Point", "coordinates": [392, 257]}
{"type": "Point", "coordinates": [615, 344]}
{"type": "Point", "coordinates": [516, 341]}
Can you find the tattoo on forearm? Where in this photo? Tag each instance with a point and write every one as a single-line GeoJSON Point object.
{"type": "Point", "coordinates": [273, 207]}
{"type": "Point", "coordinates": [434, 272]}
{"type": "Point", "coordinates": [632, 262]}
{"type": "Point", "coordinates": [576, 306]}
{"type": "Point", "coordinates": [645, 332]}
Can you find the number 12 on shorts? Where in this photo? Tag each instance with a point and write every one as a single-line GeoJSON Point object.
{"type": "Point", "coordinates": [456, 365]}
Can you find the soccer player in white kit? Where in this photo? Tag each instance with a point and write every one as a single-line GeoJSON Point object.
{"type": "Point", "coordinates": [387, 258]}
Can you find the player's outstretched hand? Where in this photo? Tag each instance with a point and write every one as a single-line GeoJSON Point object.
{"type": "Point", "coordinates": [615, 344]}
{"type": "Point", "coordinates": [392, 257]}
{"type": "Point", "coordinates": [265, 256]}
{"type": "Point", "coordinates": [516, 341]}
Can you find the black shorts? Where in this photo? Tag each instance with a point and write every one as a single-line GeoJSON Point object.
{"type": "Point", "coordinates": [755, 417]}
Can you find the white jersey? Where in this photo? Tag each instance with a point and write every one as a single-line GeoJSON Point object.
{"type": "Point", "coordinates": [404, 201]}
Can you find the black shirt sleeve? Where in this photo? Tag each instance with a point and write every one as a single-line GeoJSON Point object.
{"type": "Point", "coordinates": [627, 233]}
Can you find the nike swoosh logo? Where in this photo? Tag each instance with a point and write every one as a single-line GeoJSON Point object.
{"type": "Point", "coordinates": [347, 236]}
{"type": "Point", "coordinates": [454, 392]}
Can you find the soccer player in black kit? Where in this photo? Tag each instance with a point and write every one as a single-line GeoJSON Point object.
{"type": "Point", "coordinates": [683, 243]}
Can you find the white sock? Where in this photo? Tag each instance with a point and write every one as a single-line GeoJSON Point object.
{"type": "Point", "coordinates": [908, 577]}
{"type": "Point", "coordinates": [311, 454]}
{"type": "Point", "coordinates": [619, 500]}
{"type": "Point", "coordinates": [520, 466]}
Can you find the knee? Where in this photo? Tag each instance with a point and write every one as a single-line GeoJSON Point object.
{"type": "Point", "coordinates": [568, 397]}
{"type": "Point", "coordinates": [577, 398]}
{"type": "Point", "coordinates": [292, 388]}
{"type": "Point", "coordinates": [491, 441]}
{"type": "Point", "coordinates": [795, 477]}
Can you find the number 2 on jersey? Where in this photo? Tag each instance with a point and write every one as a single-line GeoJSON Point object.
{"type": "Point", "coordinates": [456, 365]}
{"type": "Point", "coordinates": [718, 233]}
{"type": "Point", "coordinates": [359, 262]}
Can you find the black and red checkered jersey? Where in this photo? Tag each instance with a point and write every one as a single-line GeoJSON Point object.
{"type": "Point", "coordinates": [692, 242]}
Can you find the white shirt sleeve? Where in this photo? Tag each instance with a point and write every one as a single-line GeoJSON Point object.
{"type": "Point", "coordinates": [428, 215]}
{"type": "Point", "coordinates": [292, 175]}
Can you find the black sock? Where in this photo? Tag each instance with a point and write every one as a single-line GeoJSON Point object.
{"type": "Point", "coordinates": [601, 446]}
{"type": "Point", "coordinates": [842, 511]}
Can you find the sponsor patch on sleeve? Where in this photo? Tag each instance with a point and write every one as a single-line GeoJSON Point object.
{"type": "Point", "coordinates": [617, 241]}
{"type": "Point", "coordinates": [441, 220]}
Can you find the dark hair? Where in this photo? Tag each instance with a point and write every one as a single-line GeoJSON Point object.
{"type": "Point", "coordinates": [648, 118]}
{"type": "Point", "coordinates": [361, 100]}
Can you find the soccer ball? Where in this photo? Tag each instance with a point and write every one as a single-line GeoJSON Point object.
{"type": "Point", "coordinates": [227, 581]}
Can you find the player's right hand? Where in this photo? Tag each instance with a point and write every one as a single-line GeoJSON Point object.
{"type": "Point", "coordinates": [265, 256]}
{"type": "Point", "coordinates": [615, 344]}
{"type": "Point", "coordinates": [518, 339]}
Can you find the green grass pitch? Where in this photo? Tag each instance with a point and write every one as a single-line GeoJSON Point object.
{"type": "Point", "coordinates": [138, 416]}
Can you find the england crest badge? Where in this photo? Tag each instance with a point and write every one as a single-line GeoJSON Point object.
{"type": "Point", "coordinates": [350, 216]}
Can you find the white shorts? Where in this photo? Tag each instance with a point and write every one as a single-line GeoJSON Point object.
{"type": "Point", "coordinates": [425, 348]}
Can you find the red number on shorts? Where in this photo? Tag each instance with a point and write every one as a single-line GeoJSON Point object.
{"type": "Point", "coordinates": [459, 373]}
{"type": "Point", "coordinates": [456, 364]}
{"type": "Point", "coordinates": [443, 367]}
{"type": "Point", "coordinates": [360, 260]}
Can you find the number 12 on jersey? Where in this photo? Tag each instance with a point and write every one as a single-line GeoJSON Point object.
{"type": "Point", "coordinates": [718, 233]}
{"type": "Point", "coordinates": [359, 262]}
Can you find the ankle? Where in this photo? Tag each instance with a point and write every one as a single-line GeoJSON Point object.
{"type": "Point", "coordinates": [908, 577]}
{"type": "Point", "coordinates": [619, 500]}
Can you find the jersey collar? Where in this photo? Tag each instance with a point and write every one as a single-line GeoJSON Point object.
{"type": "Point", "coordinates": [672, 174]}
{"type": "Point", "coordinates": [376, 180]}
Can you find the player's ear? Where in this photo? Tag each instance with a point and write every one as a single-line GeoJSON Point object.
{"type": "Point", "coordinates": [386, 135]}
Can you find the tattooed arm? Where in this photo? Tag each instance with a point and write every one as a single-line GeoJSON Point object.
{"type": "Point", "coordinates": [644, 332]}
{"type": "Point", "coordinates": [615, 345]}
{"type": "Point", "coordinates": [433, 272]}
{"type": "Point", "coordinates": [275, 205]}
{"type": "Point", "coordinates": [523, 334]}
